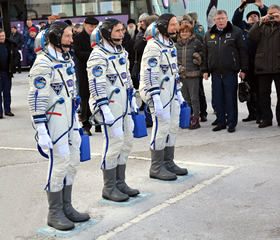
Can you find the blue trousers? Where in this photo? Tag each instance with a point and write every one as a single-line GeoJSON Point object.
{"type": "Point", "coordinates": [226, 99]}
{"type": "Point", "coordinates": [5, 91]}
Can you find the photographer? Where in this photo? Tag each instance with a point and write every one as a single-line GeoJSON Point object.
{"type": "Point", "coordinates": [251, 78]}
{"type": "Point", "coordinates": [266, 34]}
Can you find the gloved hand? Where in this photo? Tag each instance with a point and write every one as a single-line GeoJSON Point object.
{"type": "Point", "coordinates": [133, 105]}
{"type": "Point", "coordinates": [180, 98]}
{"type": "Point", "coordinates": [44, 141]}
{"type": "Point", "coordinates": [197, 59]}
{"type": "Point", "coordinates": [109, 117]}
{"type": "Point", "coordinates": [157, 105]}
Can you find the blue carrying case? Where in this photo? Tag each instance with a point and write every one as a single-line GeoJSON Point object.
{"type": "Point", "coordinates": [185, 115]}
{"type": "Point", "coordinates": [140, 129]}
{"type": "Point", "coordinates": [85, 146]}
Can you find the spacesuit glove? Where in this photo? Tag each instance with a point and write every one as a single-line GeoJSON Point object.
{"type": "Point", "coordinates": [180, 98]}
{"type": "Point", "coordinates": [133, 105]}
{"type": "Point", "coordinates": [108, 116]}
{"type": "Point", "coordinates": [157, 105]}
{"type": "Point", "coordinates": [44, 140]}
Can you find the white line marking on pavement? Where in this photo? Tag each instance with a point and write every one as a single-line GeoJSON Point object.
{"type": "Point", "coordinates": [167, 203]}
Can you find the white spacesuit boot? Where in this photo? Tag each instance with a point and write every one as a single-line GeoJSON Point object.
{"type": "Point", "coordinates": [121, 184]}
{"type": "Point", "coordinates": [157, 169]}
{"type": "Point", "coordinates": [110, 190]}
{"type": "Point", "coordinates": [56, 216]}
{"type": "Point", "coordinates": [68, 209]}
{"type": "Point", "coordinates": [169, 162]}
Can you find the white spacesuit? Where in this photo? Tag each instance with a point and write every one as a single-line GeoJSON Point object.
{"type": "Point", "coordinates": [111, 91]}
{"type": "Point", "coordinates": [160, 87]}
{"type": "Point", "coordinates": [53, 103]}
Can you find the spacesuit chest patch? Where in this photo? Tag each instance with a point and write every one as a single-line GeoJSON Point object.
{"type": "Point", "coordinates": [174, 65]}
{"type": "Point", "coordinates": [152, 62]}
{"type": "Point", "coordinates": [123, 75]}
{"type": "Point", "coordinates": [69, 83]}
{"type": "Point", "coordinates": [97, 71]}
{"type": "Point", "coordinates": [164, 68]}
{"type": "Point", "coordinates": [112, 78]}
{"type": "Point", "coordinates": [57, 87]}
{"type": "Point", "coordinates": [40, 82]}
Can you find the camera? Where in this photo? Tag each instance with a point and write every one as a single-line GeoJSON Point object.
{"type": "Point", "coordinates": [270, 17]}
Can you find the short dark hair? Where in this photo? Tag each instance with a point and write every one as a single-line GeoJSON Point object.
{"type": "Point", "coordinates": [1, 30]}
{"type": "Point", "coordinates": [14, 27]}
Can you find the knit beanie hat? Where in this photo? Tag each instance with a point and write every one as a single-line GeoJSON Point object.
{"type": "Point", "coordinates": [32, 29]}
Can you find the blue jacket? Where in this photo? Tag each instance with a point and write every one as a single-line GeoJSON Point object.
{"type": "Point", "coordinates": [237, 20]}
{"type": "Point", "coordinates": [29, 50]}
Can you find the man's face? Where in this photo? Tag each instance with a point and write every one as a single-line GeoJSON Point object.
{"type": "Point", "coordinates": [89, 27]}
{"type": "Point", "coordinates": [253, 18]}
{"type": "Point", "coordinates": [2, 37]}
{"type": "Point", "coordinates": [131, 25]}
{"type": "Point", "coordinates": [142, 24]}
{"type": "Point", "coordinates": [67, 38]}
{"type": "Point", "coordinates": [77, 30]}
{"type": "Point", "coordinates": [29, 23]}
{"type": "Point", "coordinates": [32, 34]}
{"type": "Point", "coordinates": [270, 12]}
{"type": "Point", "coordinates": [117, 33]}
{"type": "Point", "coordinates": [221, 20]}
{"type": "Point", "coordinates": [13, 30]}
{"type": "Point", "coordinates": [173, 26]}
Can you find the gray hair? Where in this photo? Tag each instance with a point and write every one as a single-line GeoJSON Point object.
{"type": "Point", "coordinates": [274, 6]}
{"type": "Point", "coordinates": [220, 12]}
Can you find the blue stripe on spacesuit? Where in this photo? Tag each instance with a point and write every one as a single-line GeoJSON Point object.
{"type": "Point", "coordinates": [154, 138]}
{"type": "Point", "coordinates": [174, 91]}
{"type": "Point", "coordinates": [150, 78]}
{"type": "Point", "coordinates": [107, 145]}
{"type": "Point", "coordinates": [72, 123]}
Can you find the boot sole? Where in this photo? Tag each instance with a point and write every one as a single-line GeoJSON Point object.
{"type": "Point", "coordinates": [61, 229]}
{"type": "Point", "coordinates": [121, 200]}
{"type": "Point", "coordinates": [169, 179]}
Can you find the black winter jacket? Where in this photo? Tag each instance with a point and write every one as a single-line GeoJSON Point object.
{"type": "Point", "coordinates": [82, 50]}
{"type": "Point", "coordinates": [13, 56]}
{"type": "Point", "coordinates": [18, 39]}
{"type": "Point", "coordinates": [267, 38]}
{"type": "Point", "coordinates": [227, 54]}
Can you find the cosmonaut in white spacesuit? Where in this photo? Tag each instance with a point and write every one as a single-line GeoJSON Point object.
{"type": "Point", "coordinates": [53, 103]}
{"type": "Point", "coordinates": [111, 100]}
{"type": "Point", "coordinates": [160, 87]}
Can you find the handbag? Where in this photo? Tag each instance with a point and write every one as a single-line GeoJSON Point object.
{"type": "Point", "coordinates": [243, 91]}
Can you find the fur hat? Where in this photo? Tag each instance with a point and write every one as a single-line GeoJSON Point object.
{"type": "Point", "coordinates": [143, 16]}
{"type": "Point", "coordinates": [193, 15]}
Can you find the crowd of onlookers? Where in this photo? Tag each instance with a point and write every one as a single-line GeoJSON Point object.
{"type": "Point", "coordinates": [220, 52]}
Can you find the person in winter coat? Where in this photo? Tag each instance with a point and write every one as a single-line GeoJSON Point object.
{"type": "Point", "coordinates": [18, 39]}
{"type": "Point", "coordinates": [251, 78]}
{"type": "Point", "coordinates": [266, 34]}
{"type": "Point", "coordinates": [225, 54]}
{"type": "Point", "coordinates": [8, 58]}
{"type": "Point", "coordinates": [82, 50]}
{"type": "Point", "coordinates": [29, 50]}
{"type": "Point", "coordinates": [189, 59]}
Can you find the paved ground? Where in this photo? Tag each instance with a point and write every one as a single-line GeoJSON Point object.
{"type": "Point", "coordinates": [231, 193]}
